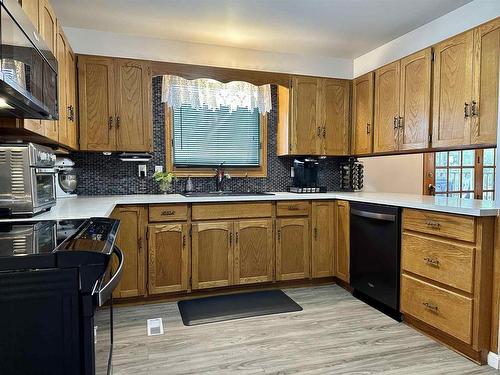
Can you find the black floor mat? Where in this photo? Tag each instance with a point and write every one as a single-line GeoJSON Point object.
{"type": "Point", "coordinates": [235, 306]}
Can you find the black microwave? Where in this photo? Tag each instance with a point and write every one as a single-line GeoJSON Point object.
{"type": "Point", "coordinates": [28, 69]}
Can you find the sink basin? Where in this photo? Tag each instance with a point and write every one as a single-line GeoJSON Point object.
{"type": "Point", "coordinates": [224, 194]}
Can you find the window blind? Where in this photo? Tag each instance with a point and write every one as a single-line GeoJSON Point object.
{"type": "Point", "coordinates": [206, 138]}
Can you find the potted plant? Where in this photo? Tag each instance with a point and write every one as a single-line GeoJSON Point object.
{"type": "Point", "coordinates": [165, 180]}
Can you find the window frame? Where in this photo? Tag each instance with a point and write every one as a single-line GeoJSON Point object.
{"type": "Point", "coordinates": [429, 169]}
{"type": "Point", "coordinates": [260, 171]}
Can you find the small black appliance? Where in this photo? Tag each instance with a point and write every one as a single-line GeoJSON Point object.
{"type": "Point", "coordinates": [306, 176]}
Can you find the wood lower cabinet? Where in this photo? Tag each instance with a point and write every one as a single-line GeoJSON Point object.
{"type": "Point", "coordinates": [446, 281]}
{"type": "Point", "coordinates": [362, 114]}
{"type": "Point", "coordinates": [131, 240]}
{"type": "Point", "coordinates": [322, 250]}
{"type": "Point", "coordinates": [212, 254]}
{"type": "Point", "coordinates": [253, 251]}
{"type": "Point", "coordinates": [114, 104]}
{"type": "Point", "coordinates": [168, 258]}
{"type": "Point", "coordinates": [293, 248]}
{"type": "Point", "coordinates": [341, 240]}
{"type": "Point", "coordinates": [452, 91]}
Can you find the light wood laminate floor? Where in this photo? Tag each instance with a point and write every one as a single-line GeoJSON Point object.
{"type": "Point", "coordinates": [334, 334]}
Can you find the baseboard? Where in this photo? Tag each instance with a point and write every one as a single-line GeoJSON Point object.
{"type": "Point", "coordinates": [493, 360]}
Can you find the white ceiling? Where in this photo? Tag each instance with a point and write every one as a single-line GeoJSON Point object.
{"type": "Point", "coordinates": [335, 28]}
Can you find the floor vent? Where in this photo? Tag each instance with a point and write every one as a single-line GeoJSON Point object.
{"type": "Point", "coordinates": [155, 327]}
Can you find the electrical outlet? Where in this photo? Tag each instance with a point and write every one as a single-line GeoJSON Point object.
{"type": "Point", "coordinates": [142, 171]}
{"type": "Point", "coordinates": [292, 172]}
{"type": "Point", "coordinates": [158, 168]}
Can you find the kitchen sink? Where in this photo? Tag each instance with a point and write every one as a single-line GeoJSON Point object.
{"type": "Point", "coordinates": [224, 194]}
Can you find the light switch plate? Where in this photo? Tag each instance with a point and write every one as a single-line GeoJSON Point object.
{"type": "Point", "coordinates": [158, 168]}
{"type": "Point", "coordinates": [142, 170]}
{"type": "Point", "coordinates": [292, 172]}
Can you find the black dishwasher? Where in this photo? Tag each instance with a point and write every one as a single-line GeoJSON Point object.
{"type": "Point", "coordinates": [375, 255]}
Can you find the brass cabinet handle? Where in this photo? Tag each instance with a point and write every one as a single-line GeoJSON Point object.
{"type": "Point", "coordinates": [368, 128]}
{"type": "Point", "coordinates": [168, 213]}
{"type": "Point", "coordinates": [433, 224]}
{"type": "Point", "coordinates": [231, 238]}
{"type": "Point", "coordinates": [431, 261]}
{"type": "Point", "coordinates": [319, 131]}
{"type": "Point", "coordinates": [293, 208]}
{"type": "Point", "coordinates": [430, 306]}
{"type": "Point", "coordinates": [237, 238]}
{"type": "Point", "coordinates": [474, 111]}
{"type": "Point", "coordinates": [400, 122]}
{"type": "Point", "coordinates": [71, 113]}
{"type": "Point", "coordinates": [184, 241]}
{"type": "Point", "coordinates": [316, 233]}
{"type": "Point", "coordinates": [324, 131]}
{"type": "Point", "coordinates": [466, 110]}
{"type": "Point", "coordinates": [117, 121]}
{"type": "Point", "coordinates": [279, 235]}
{"type": "Point", "coordinates": [395, 122]}
{"type": "Point", "coordinates": [110, 122]}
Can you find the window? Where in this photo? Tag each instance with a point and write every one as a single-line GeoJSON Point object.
{"type": "Point", "coordinates": [463, 174]}
{"type": "Point", "coordinates": [207, 138]}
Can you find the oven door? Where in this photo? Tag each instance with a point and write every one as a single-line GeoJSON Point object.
{"type": "Point", "coordinates": [103, 317]}
{"type": "Point", "coordinates": [43, 188]}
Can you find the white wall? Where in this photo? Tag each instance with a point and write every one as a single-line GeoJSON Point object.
{"type": "Point", "coordinates": [394, 174]}
{"type": "Point", "coordinates": [455, 22]}
{"type": "Point", "coordinates": [95, 42]}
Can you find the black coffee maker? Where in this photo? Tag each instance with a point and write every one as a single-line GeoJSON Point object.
{"type": "Point", "coordinates": [305, 176]}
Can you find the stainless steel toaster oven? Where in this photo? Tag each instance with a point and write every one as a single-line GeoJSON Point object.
{"type": "Point", "coordinates": [27, 179]}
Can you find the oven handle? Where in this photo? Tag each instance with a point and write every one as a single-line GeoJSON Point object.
{"type": "Point", "coordinates": [107, 290]}
{"type": "Point", "coordinates": [373, 215]}
{"type": "Point", "coordinates": [45, 170]}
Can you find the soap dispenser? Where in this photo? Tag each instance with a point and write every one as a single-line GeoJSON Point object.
{"type": "Point", "coordinates": [189, 185]}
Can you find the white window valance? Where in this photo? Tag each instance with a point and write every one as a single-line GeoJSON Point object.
{"type": "Point", "coordinates": [213, 94]}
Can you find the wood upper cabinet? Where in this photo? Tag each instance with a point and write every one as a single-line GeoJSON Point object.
{"type": "Point", "coordinates": [61, 47]}
{"type": "Point", "coordinates": [212, 255]}
{"type": "Point", "coordinates": [362, 114]}
{"type": "Point", "coordinates": [114, 104]}
{"type": "Point", "coordinates": [293, 248]}
{"type": "Point", "coordinates": [305, 125]}
{"type": "Point", "coordinates": [452, 91]}
{"type": "Point", "coordinates": [386, 108]}
{"type": "Point", "coordinates": [131, 240]}
{"type": "Point", "coordinates": [334, 116]}
{"type": "Point", "coordinates": [415, 101]}
{"type": "Point", "coordinates": [322, 251]}
{"type": "Point", "coordinates": [253, 251]}
{"type": "Point", "coordinates": [402, 103]}
{"type": "Point", "coordinates": [71, 98]}
{"type": "Point", "coordinates": [134, 125]}
{"type": "Point", "coordinates": [317, 122]}
{"type": "Point", "coordinates": [484, 105]}
{"type": "Point", "coordinates": [342, 239]}
{"type": "Point", "coordinates": [168, 258]}
{"type": "Point", "coordinates": [96, 80]}
{"type": "Point", "coordinates": [47, 24]}
{"type": "Point", "coordinates": [32, 10]}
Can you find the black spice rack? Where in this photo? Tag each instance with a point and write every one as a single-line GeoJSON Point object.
{"type": "Point", "coordinates": [351, 175]}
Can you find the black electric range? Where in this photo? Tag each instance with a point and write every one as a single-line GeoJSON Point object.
{"type": "Point", "coordinates": [56, 283]}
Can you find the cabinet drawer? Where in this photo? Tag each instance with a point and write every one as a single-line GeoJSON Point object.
{"type": "Point", "coordinates": [217, 211]}
{"type": "Point", "coordinates": [167, 212]}
{"type": "Point", "coordinates": [293, 208]}
{"type": "Point", "coordinates": [442, 261]}
{"type": "Point", "coordinates": [444, 225]}
{"type": "Point", "coordinates": [447, 311]}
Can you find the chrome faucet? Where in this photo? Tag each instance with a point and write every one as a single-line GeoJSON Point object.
{"type": "Point", "coordinates": [220, 176]}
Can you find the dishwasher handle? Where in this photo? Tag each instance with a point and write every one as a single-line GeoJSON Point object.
{"type": "Point", "coordinates": [373, 215]}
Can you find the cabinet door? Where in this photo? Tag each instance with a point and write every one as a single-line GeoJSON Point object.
{"type": "Point", "coordinates": [96, 103]}
{"type": "Point", "coordinates": [168, 258]}
{"type": "Point", "coordinates": [452, 91]}
{"type": "Point", "coordinates": [61, 55]}
{"type": "Point", "coordinates": [342, 238]}
{"type": "Point", "coordinates": [134, 127]}
{"type": "Point", "coordinates": [293, 248]}
{"type": "Point", "coordinates": [305, 127]}
{"type": "Point", "coordinates": [415, 101]}
{"type": "Point", "coordinates": [130, 240]}
{"type": "Point", "coordinates": [71, 98]}
{"type": "Point", "coordinates": [31, 7]}
{"type": "Point", "coordinates": [386, 108]}
{"type": "Point", "coordinates": [362, 114]}
{"type": "Point", "coordinates": [322, 241]}
{"type": "Point", "coordinates": [48, 24]}
{"type": "Point", "coordinates": [253, 251]}
{"type": "Point", "coordinates": [486, 77]}
{"type": "Point", "coordinates": [334, 116]}
{"type": "Point", "coordinates": [212, 254]}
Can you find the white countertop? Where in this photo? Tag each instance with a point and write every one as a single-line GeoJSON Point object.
{"type": "Point", "coordinates": [102, 206]}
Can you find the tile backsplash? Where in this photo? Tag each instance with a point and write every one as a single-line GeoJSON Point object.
{"type": "Point", "coordinates": [99, 174]}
